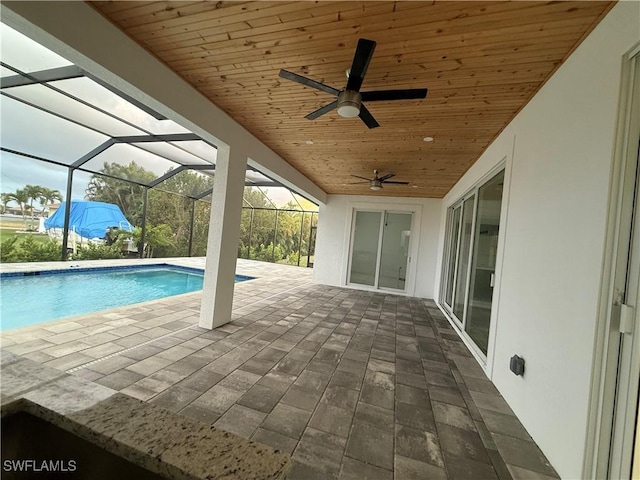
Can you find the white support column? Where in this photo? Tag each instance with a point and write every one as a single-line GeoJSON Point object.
{"type": "Point", "coordinates": [222, 244]}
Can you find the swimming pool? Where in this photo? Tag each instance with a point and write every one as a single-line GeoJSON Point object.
{"type": "Point", "coordinates": [35, 297]}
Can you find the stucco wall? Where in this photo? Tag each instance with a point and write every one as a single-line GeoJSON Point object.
{"type": "Point", "coordinates": [332, 237]}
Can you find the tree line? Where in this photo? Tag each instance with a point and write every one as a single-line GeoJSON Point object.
{"type": "Point", "coordinates": [169, 212]}
{"type": "Point", "coordinates": [279, 236]}
{"type": "Point", "coordinates": [265, 233]}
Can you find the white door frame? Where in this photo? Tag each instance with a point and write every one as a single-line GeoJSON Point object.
{"type": "Point", "coordinates": [352, 229]}
{"type": "Point", "coordinates": [459, 324]}
{"type": "Point", "coordinates": [616, 361]}
{"type": "Point", "coordinates": [460, 204]}
{"type": "Point", "coordinates": [414, 242]}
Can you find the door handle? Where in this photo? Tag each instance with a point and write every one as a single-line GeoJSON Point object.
{"type": "Point", "coordinates": [492, 280]}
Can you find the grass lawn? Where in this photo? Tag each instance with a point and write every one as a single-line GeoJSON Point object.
{"type": "Point", "coordinates": [7, 232]}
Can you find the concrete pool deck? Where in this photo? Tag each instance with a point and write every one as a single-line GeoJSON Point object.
{"type": "Point", "coordinates": [352, 384]}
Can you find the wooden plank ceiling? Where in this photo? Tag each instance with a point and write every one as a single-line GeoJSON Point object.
{"type": "Point", "coordinates": [481, 61]}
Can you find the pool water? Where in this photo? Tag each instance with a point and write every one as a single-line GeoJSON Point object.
{"type": "Point", "coordinates": [43, 296]}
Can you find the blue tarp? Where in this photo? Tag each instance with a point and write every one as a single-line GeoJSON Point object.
{"type": "Point", "coordinates": [90, 219]}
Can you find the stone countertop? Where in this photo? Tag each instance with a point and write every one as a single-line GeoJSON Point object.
{"type": "Point", "coordinates": [161, 441]}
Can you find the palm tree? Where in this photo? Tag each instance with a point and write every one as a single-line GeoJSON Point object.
{"type": "Point", "coordinates": [33, 193]}
{"type": "Point", "coordinates": [47, 196]}
{"type": "Point", "coordinates": [21, 198]}
{"type": "Point", "coordinates": [6, 198]}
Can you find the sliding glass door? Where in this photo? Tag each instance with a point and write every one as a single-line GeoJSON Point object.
{"type": "Point", "coordinates": [483, 265]}
{"type": "Point", "coordinates": [380, 249]}
{"type": "Point", "coordinates": [453, 254]}
{"type": "Point", "coordinates": [469, 269]}
{"type": "Point", "coordinates": [394, 252]}
{"type": "Point", "coordinates": [464, 254]}
{"type": "Point", "coordinates": [364, 250]}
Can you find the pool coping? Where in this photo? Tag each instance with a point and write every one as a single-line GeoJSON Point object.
{"type": "Point", "coordinates": [73, 269]}
{"type": "Point", "coordinates": [72, 318]}
{"type": "Point", "coordinates": [78, 269]}
{"type": "Point", "coordinates": [260, 272]}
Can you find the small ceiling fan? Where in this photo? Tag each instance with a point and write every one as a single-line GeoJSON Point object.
{"type": "Point", "coordinates": [349, 101]}
{"type": "Point", "coordinates": [377, 182]}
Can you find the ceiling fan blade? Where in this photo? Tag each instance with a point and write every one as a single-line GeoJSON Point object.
{"type": "Point", "coordinates": [367, 118]}
{"type": "Point", "coordinates": [358, 183]}
{"type": "Point", "coordinates": [322, 110]}
{"type": "Point", "coordinates": [360, 64]}
{"type": "Point", "coordinates": [384, 95]}
{"type": "Point", "coordinates": [363, 178]}
{"type": "Point", "coordinates": [388, 175]}
{"type": "Point", "coordinates": [308, 82]}
{"type": "Point", "coordinates": [395, 183]}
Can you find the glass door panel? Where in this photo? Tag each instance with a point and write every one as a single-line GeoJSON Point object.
{"type": "Point", "coordinates": [463, 261]}
{"type": "Point", "coordinates": [394, 255]}
{"type": "Point", "coordinates": [453, 254]}
{"type": "Point", "coordinates": [364, 254]}
{"type": "Point", "coordinates": [484, 261]}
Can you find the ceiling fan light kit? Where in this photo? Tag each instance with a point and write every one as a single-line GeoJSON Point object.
{"type": "Point", "coordinates": [349, 102]}
{"type": "Point", "coordinates": [376, 183]}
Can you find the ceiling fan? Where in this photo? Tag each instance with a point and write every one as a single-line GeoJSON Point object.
{"type": "Point", "coordinates": [349, 101]}
{"type": "Point", "coordinates": [377, 182]}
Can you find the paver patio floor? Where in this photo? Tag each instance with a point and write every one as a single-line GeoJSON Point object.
{"type": "Point", "coordinates": [352, 384]}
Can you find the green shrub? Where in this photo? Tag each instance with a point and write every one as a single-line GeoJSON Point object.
{"type": "Point", "coordinates": [158, 240]}
{"type": "Point", "coordinates": [292, 259]}
{"type": "Point", "coordinates": [34, 251]}
{"type": "Point", "coordinates": [29, 250]}
{"type": "Point", "coordinates": [97, 252]}
{"type": "Point", "coordinates": [8, 249]}
{"type": "Point", "coordinates": [266, 253]}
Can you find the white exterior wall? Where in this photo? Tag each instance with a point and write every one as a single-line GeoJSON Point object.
{"type": "Point", "coordinates": [558, 153]}
{"type": "Point", "coordinates": [332, 252]}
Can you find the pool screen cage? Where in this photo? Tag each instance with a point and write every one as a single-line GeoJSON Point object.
{"type": "Point", "coordinates": [69, 136]}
